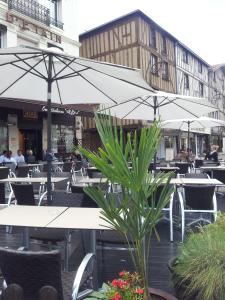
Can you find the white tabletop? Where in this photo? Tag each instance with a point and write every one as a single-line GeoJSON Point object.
{"type": "Point", "coordinates": [93, 180]}
{"type": "Point", "coordinates": [208, 168]}
{"type": "Point", "coordinates": [168, 168]}
{"type": "Point", "coordinates": [79, 218]}
{"type": "Point", "coordinates": [32, 179]}
{"type": "Point", "coordinates": [30, 216]}
{"type": "Point", "coordinates": [198, 181]}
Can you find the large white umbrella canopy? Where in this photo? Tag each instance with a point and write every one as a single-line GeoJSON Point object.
{"type": "Point", "coordinates": [24, 72]}
{"type": "Point", "coordinates": [31, 74]}
{"type": "Point", "coordinates": [163, 106]}
{"type": "Point", "coordinates": [192, 124]}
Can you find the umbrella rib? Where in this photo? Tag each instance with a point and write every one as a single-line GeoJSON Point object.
{"type": "Point", "coordinates": [57, 84]}
{"type": "Point", "coordinates": [18, 60]}
{"type": "Point", "coordinates": [65, 66]}
{"type": "Point", "coordinates": [139, 103]}
{"type": "Point", "coordinates": [70, 75]}
{"type": "Point", "coordinates": [126, 101]}
{"type": "Point", "coordinates": [24, 69]}
{"type": "Point", "coordinates": [182, 108]}
{"type": "Point", "coordinates": [15, 81]}
{"type": "Point", "coordinates": [126, 81]}
{"type": "Point", "coordinates": [26, 63]}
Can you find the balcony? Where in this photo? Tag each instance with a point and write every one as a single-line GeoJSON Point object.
{"type": "Point", "coordinates": [34, 10]}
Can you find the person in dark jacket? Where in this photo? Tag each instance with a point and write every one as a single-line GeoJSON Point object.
{"type": "Point", "coordinates": [213, 154]}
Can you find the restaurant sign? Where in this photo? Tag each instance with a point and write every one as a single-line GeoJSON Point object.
{"type": "Point", "coordinates": [26, 25]}
{"type": "Point", "coordinates": [58, 110]}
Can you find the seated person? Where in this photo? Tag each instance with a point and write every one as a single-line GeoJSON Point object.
{"type": "Point", "coordinates": [9, 160]}
{"type": "Point", "coordinates": [213, 154]}
{"type": "Point", "coordinates": [182, 155]}
{"type": "Point", "coordinates": [19, 158]}
{"type": "Point", "coordinates": [30, 157]}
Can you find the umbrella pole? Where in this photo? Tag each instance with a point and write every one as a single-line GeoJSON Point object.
{"type": "Point", "coordinates": [49, 131]}
{"type": "Point", "coordinates": [188, 150]}
{"type": "Point", "coordinates": [155, 108]}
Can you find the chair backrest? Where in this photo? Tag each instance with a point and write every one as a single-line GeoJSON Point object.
{"type": "Point", "coordinates": [62, 185]}
{"type": "Point", "coordinates": [78, 166]}
{"type": "Point", "coordinates": [86, 201]}
{"type": "Point", "coordinates": [4, 172]}
{"type": "Point", "coordinates": [39, 174]}
{"type": "Point", "coordinates": [196, 175]}
{"type": "Point", "coordinates": [2, 193]}
{"type": "Point", "coordinates": [198, 163]}
{"type": "Point", "coordinates": [23, 193]}
{"type": "Point", "coordinates": [22, 171]}
{"type": "Point", "coordinates": [199, 197]}
{"type": "Point", "coordinates": [63, 198]}
{"type": "Point", "coordinates": [94, 173]}
{"type": "Point", "coordinates": [32, 270]}
{"type": "Point", "coordinates": [183, 167]}
{"type": "Point", "coordinates": [156, 196]}
{"type": "Point", "coordinates": [219, 175]}
{"type": "Point", "coordinates": [67, 166]}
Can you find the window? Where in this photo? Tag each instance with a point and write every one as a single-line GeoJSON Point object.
{"type": "Point", "coordinates": [201, 89]}
{"type": "Point", "coordinates": [2, 36]}
{"type": "Point", "coordinates": [154, 64]}
{"type": "Point", "coordinates": [165, 71]}
{"type": "Point", "coordinates": [185, 56]}
{"type": "Point", "coordinates": [199, 67]}
{"type": "Point", "coordinates": [164, 49]}
{"type": "Point", "coordinates": [3, 138]}
{"type": "Point", "coordinates": [152, 38]}
{"type": "Point", "coordinates": [186, 81]}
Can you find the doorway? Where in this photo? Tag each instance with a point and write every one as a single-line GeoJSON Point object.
{"type": "Point", "coordinates": [31, 139]}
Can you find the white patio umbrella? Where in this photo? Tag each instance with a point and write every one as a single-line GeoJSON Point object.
{"type": "Point", "coordinates": [32, 74]}
{"type": "Point", "coordinates": [163, 106]}
{"type": "Point", "coordinates": [192, 125]}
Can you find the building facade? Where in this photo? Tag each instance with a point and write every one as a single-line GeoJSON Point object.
{"type": "Point", "coordinates": [216, 77]}
{"type": "Point", "coordinates": [42, 24]}
{"type": "Point", "coordinates": [137, 41]}
{"type": "Point", "coordinates": [133, 40]}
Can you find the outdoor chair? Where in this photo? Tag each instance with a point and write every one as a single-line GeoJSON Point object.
{"type": "Point", "coordinates": [67, 167]}
{"type": "Point", "coordinates": [65, 184]}
{"type": "Point", "coordinates": [34, 270]}
{"type": "Point", "coordinates": [4, 173]}
{"type": "Point", "coordinates": [183, 168]}
{"type": "Point", "coordinates": [78, 169]}
{"type": "Point", "coordinates": [53, 236]}
{"type": "Point", "coordinates": [22, 171]}
{"type": "Point", "coordinates": [86, 201]}
{"type": "Point", "coordinates": [198, 163]}
{"type": "Point", "coordinates": [94, 173]}
{"type": "Point", "coordinates": [23, 193]}
{"type": "Point", "coordinates": [168, 208]}
{"type": "Point", "coordinates": [199, 199]}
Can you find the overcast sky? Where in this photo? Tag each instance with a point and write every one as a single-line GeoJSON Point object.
{"type": "Point", "coordinates": [199, 24]}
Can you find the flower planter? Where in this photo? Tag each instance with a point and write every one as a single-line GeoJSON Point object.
{"type": "Point", "coordinates": [157, 294]}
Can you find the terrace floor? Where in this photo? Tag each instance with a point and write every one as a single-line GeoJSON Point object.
{"type": "Point", "coordinates": [111, 262]}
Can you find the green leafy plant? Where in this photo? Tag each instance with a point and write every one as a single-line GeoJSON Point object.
{"type": "Point", "coordinates": [138, 211]}
{"type": "Point", "coordinates": [199, 270]}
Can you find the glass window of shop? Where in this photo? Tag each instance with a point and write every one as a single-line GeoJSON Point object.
{"type": "Point", "coordinates": [62, 139]}
{"type": "Point", "coordinates": [3, 138]}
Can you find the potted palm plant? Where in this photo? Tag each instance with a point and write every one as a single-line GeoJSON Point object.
{"type": "Point", "coordinates": [138, 212]}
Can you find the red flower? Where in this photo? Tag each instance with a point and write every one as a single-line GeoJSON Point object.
{"type": "Point", "coordinates": [122, 273]}
{"type": "Point", "coordinates": [117, 296]}
{"type": "Point", "coordinates": [139, 291]}
{"type": "Point", "coordinates": [115, 283]}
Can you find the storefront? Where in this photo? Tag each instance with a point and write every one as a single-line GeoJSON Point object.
{"type": "Point", "coordinates": [25, 127]}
